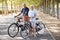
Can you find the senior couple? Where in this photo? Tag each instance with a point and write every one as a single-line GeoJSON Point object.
{"type": "Point", "coordinates": [31, 13]}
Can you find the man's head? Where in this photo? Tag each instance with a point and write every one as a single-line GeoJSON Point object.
{"type": "Point", "coordinates": [24, 5]}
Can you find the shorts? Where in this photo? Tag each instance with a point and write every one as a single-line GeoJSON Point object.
{"type": "Point", "coordinates": [32, 20]}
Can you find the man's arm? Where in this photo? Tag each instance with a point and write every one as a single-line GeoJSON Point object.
{"type": "Point", "coordinates": [20, 13]}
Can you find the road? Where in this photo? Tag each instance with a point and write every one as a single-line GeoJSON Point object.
{"type": "Point", "coordinates": [44, 34]}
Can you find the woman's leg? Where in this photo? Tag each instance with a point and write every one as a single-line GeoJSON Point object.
{"type": "Point", "coordinates": [33, 25]}
{"type": "Point", "coordinates": [31, 28]}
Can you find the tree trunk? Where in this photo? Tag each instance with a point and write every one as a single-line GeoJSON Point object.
{"type": "Point", "coordinates": [57, 9]}
{"type": "Point", "coordinates": [2, 7]}
{"type": "Point", "coordinates": [49, 7]}
{"type": "Point", "coordinates": [53, 9]}
{"type": "Point", "coordinates": [11, 8]}
{"type": "Point", "coordinates": [44, 6]}
{"type": "Point", "coordinates": [6, 11]}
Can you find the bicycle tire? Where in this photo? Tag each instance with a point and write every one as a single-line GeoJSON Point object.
{"type": "Point", "coordinates": [41, 26]}
{"type": "Point", "coordinates": [16, 32]}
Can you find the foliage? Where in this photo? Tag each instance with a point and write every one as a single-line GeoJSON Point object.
{"type": "Point", "coordinates": [36, 3]}
{"type": "Point", "coordinates": [1, 1]}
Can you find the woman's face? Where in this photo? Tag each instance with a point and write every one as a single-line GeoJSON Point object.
{"type": "Point", "coordinates": [32, 7]}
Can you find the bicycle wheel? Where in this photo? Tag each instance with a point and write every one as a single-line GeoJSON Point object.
{"type": "Point", "coordinates": [40, 26]}
{"type": "Point", "coordinates": [24, 34]}
{"type": "Point", "coordinates": [13, 30]}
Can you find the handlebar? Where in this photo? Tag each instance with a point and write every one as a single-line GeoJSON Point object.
{"type": "Point", "coordinates": [37, 18]}
{"type": "Point", "coordinates": [18, 18]}
{"type": "Point", "coordinates": [15, 16]}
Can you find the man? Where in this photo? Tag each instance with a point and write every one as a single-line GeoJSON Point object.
{"type": "Point", "coordinates": [24, 11]}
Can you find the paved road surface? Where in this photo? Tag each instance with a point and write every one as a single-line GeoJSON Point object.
{"type": "Point", "coordinates": [5, 22]}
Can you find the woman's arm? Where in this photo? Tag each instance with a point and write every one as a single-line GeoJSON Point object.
{"type": "Point", "coordinates": [35, 13]}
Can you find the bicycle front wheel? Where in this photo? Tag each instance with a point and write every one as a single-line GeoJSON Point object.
{"type": "Point", "coordinates": [13, 30]}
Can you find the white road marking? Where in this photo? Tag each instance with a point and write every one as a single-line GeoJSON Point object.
{"type": "Point", "coordinates": [43, 39]}
{"type": "Point", "coordinates": [50, 34]}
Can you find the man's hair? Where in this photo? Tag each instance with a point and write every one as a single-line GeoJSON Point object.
{"type": "Point", "coordinates": [24, 3]}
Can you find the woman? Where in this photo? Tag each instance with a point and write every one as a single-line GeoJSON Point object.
{"type": "Point", "coordinates": [32, 15]}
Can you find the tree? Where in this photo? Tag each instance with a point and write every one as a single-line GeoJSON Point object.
{"type": "Point", "coordinates": [6, 11]}
{"type": "Point", "coordinates": [57, 9]}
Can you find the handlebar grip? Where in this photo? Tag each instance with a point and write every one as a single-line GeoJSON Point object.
{"type": "Point", "coordinates": [15, 16]}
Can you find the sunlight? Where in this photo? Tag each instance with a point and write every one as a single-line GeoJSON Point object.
{"type": "Point", "coordinates": [43, 39]}
{"type": "Point", "coordinates": [54, 27]}
{"type": "Point", "coordinates": [54, 30]}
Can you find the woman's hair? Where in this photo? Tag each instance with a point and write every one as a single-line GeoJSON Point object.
{"type": "Point", "coordinates": [31, 6]}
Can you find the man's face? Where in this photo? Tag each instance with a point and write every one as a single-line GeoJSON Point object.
{"type": "Point", "coordinates": [24, 5]}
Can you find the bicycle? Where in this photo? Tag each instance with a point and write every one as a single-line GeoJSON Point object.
{"type": "Point", "coordinates": [13, 29]}
{"type": "Point", "coordinates": [24, 32]}
{"type": "Point", "coordinates": [39, 26]}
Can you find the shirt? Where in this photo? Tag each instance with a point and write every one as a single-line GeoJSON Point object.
{"type": "Point", "coordinates": [25, 11]}
{"type": "Point", "coordinates": [32, 13]}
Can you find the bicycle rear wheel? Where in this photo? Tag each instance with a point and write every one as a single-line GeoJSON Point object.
{"type": "Point", "coordinates": [24, 34]}
{"type": "Point", "coordinates": [13, 30]}
{"type": "Point", "coordinates": [40, 26]}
